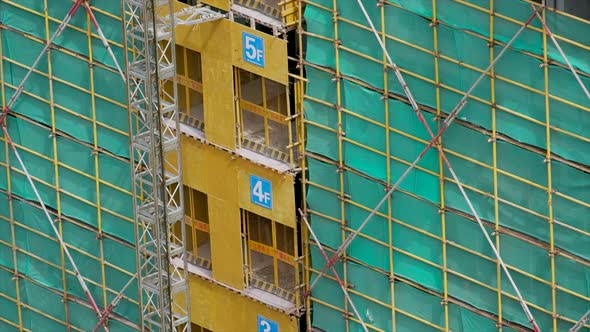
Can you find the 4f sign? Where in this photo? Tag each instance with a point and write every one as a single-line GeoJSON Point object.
{"type": "Point", "coordinates": [261, 191]}
{"type": "Point", "coordinates": [253, 49]}
{"type": "Point", "coordinates": [267, 325]}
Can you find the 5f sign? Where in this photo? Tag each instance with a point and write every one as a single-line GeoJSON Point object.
{"type": "Point", "coordinates": [261, 191]}
{"type": "Point", "coordinates": [267, 325]}
{"type": "Point", "coordinates": [253, 49]}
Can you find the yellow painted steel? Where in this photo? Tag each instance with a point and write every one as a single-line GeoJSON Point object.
{"type": "Point", "coordinates": [552, 252]}
{"type": "Point", "coordinates": [213, 168]}
{"type": "Point", "coordinates": [222, 39]}
{"type": "Point", "coordinates": [275, 53]}
{"type": "Point", "coordinates": [386, 72]}
{"type": "Point", "coordinates": [499, 272]}
{"type": "Point", "coordinates": [220, 308]}
{"type": "Point", "coordinates": [340, 163]}
{"type": "Point", "coordinates": [441, 165]}
{"type": "Point", "coordinates": [12, 245]}
{"type": "Point", "coordinates": [221, 4]}
{"type": "Point", "coordinates": [56, 163]}
{"type": "Point", "coordinates": [225, 178]}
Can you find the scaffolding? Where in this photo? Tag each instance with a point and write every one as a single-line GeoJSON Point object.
{"type": "Point", "coordinates": [72, 210]}
{"type": "Point", "coordinates": [49, 217]}
{"type": "Point", "coordinates": [348, 169]}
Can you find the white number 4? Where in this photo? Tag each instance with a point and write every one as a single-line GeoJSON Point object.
{"type": "Point", "coordinates": [257, 192]}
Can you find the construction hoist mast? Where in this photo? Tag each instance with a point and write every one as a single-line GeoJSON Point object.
{"type": "Point", "coordinates": [157, 182]}
{"type": "Point", "coordinates": [157, 163]}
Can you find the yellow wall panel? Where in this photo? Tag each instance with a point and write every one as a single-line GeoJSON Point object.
{"type": "Point", "coordinates": [221, 310]}
{"type": "Point", "coordinates": [226, 242]}
{"type": "Point", "coordinates": [222, 40]}
{"type": "Point", "coordinates": [275, 54]}
{"type": "Point", "coordinates": [220, 170]}
{"type": "Point", "coordinates": [221, 47]}
{"type": "Point", "coordinates": [218, 91]}
{"type": "Point", "coordinates": [193, 164]}
{"type": "Point", "coordinates": [226, 180]}
{"type": "Point", "coordinates": [217, 173]}
{"type": "Point", "coordinates": [283, 210]}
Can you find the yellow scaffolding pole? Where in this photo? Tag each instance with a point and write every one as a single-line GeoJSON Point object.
{"type": "Point", "coordinates": [441, 165]}
{"type": "Point", "coordinates": [13, 245]}
{"type": "Point", "coordinates": [388, 170]}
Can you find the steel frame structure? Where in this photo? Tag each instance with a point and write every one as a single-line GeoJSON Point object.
{"type": "Point", "coordinates": [157, 160]}
{"type": "Point", "coordinates": [157, 179]}
{"type": "Point", "coordinates": [435, 142]}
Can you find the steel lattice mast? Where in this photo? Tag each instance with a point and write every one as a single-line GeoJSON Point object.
{"type": "Point", "coordinates": [157, 169]}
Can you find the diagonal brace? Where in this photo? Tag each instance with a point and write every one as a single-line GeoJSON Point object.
{"type": "Point", "coordinates": [565, 57]}
{"type": "Point", "coordinates": [113, 304]}
{"type": "Point", "coordinates": [340, 282]}
{"type": "Point", "coordinates": [104, 39]}
{"type": "Point", "coordinates": [58, 32]}
{"type": "Point", "coordinates": [446, 124]}
{"type": "Point", "coordinates": [579, 324]}
{"type": "Point", "coordinates": [53, 227]}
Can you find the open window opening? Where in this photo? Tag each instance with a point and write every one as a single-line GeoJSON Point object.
{"type": "Point", "coordinates": [196, 223]}
{"type": "Point", "coordinates": [270, 261]}
{"type": "Point", "coordinates": [198, 328]}
{"type": "Point", "coordinates": [263, 117]}
{"type": "Point", "coordinates": [189, 83]}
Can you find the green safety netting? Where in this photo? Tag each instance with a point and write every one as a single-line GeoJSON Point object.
{"type": "Point", "coordinates": [523, 206]}
{"type": "Point", "coordinates": [43, 282]}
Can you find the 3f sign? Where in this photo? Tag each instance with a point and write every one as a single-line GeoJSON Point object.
{"type": "Point", "coordinates": [261, 191]}
{"type": "Point", "coordinates": [267, 325]}
{"type": "Point", "coordinates": [253, 49]}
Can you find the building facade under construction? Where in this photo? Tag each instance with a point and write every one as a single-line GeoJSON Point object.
{"type": "Point", "coordinates": [295, 165]}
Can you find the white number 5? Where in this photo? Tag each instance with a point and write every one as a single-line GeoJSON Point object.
{"type": "Point", "coordinates": [250, 48]}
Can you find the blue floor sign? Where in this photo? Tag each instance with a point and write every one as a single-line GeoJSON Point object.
{"type": "Point", "coordinates": [261, 191]}
{"type": "Point", "coordinates": [267, 325]}
{"type": "Point", "coordinates": [253, 49]}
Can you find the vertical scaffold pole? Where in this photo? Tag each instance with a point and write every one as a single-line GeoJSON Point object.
{"type": "Point", "coordinates": [151, 70]}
